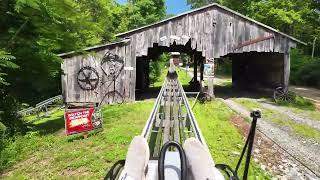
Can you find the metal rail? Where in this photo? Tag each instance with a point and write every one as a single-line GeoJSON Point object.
{"type": "Point", "coordinates": [171, 118]}
{"type": "Point", "coordinates": [42, 105]}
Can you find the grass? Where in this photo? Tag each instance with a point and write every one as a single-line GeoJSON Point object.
{"type": "Point", "coordinates": [48, 152]}
{"type": "Point", "coordinates": [281, 119]}
{"type": "Point", "coordinates": [303, 107]}
{"type": "Point", "coordinates": [184, 78]}
{"type": "Point", "coordinates": [163, 75]}
{"type": "Point", "coordinates": [299, 102]}
{"type": "Point", "coordinates": [222, 137]}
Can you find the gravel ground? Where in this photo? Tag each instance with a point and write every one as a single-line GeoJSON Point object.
{"type": "Point", "coordinates": [269, 105]}
{"type": "Point", "coordinates": [303, 151]}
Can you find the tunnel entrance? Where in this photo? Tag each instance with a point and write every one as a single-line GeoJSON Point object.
{"type": "Point", "coordinates": [143, 63]}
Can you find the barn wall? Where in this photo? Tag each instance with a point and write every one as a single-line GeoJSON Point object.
{"type": "Point", "coordinates": [213, 31]}
{"type": "Point", "coordinates": [125, 81]}
{"type": "Point", "coordinates": [257, 70]}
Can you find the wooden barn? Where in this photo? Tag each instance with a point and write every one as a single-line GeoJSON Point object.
{"type": "Point", "coordinates": [112, 72]}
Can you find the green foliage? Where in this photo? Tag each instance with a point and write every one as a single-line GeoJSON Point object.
{"type": "Point", "coordinates": [157, 68]}
{"type": "Point", "coordinates": [304, 69]}
{"type": "Point", "coordinates": [5, 62]}
{"type": "Point", "coordinates": [35, 31]}
{"type": "Point", "coordinates": [8, 116]}
{"type": "Point", "coordinates": [299, 102]}
{"type": "Point", "coordinates": [143, 12]}
{"type": "Point", "coordinates": [184, 78]}
{"type": "Point", "coordinates": [224, 67]}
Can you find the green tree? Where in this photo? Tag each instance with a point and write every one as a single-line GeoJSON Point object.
{"type": "Point", "coordinates": [143, 12]}
{"type": "Point", "coordinates": [5, 62]}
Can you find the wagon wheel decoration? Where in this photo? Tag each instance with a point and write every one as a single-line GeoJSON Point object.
{"type": "Point", "coordinates": [282, 95]}
{"type": "Point", "coordinates": [88, 78]}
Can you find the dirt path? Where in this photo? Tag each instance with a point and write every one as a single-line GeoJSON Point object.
{"type": "Point", "coordinates": [305, 152]}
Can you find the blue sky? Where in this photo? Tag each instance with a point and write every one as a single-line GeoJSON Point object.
{"type": "Point", "coordinates": [173, 6]}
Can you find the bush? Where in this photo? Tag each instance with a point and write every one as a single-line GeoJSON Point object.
{"type": "Point", "coordinates": [9, 117]}
{"type": "Point", "coordinates": [224, 67]}
{"type": "Point", "coordinates": [157, 65]}
{"type": "Point", "coordinates": [305, 71]}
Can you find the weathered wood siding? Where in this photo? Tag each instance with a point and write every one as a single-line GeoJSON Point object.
{"type": "Point", "coordinates": [125, 81]}
{"type": "Point", "coordinates": [213, 31]}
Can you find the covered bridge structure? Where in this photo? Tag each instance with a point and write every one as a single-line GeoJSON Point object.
{"type": "Point", "coordinates": [112, 72]}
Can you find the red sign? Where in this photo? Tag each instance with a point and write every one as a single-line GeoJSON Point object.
{"type": "Point", "coordinates": [78, 121]}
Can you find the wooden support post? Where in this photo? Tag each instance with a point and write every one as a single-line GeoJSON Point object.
{"type": "Point", "coordinates": [46, 111]}
{"type": "Point", "coordinates": [85, 135]}
{"type": "Point", "coordinates": [211, 85]}
{"type": "Point", "coordinates": [201, 76]}
{"type": "Point", "coordinates": [211, 88]}
{"type": "Point", "coordinates": [286, 71]}
{"type": "Point", "coordinates": [195, 69]}
{"type": "Point", "coordinates": [201, 70]}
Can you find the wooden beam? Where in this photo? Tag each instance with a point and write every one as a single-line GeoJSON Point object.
{"type": "Point", "coordinates": [253, 41]}
{"type": "Point", "coordinates": [195, 69]}
{"type": "Point", "coordinates": [286, 71]}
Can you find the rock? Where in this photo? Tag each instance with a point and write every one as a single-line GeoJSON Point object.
{"type": "Point", "coordinates": [263, 167]}
{"type": "Point", "coordinates": [259, 142]}
{"type": "Point", "coordinates": [255, 160]}
{"type": "Point", "coordinates": [269, 164]}
{"type": "Point", "coordinates": [280, 166]}
{"type": "Point", "coordinates": [293, 173]}
{"type": "Point", "coordinates": [235, 152]}
{"type": "Point", "coordinates": [292, 165]}
{"type": "Point", "coordinates": [257, 151]}
{"type": "Point", "coordinates": [284, 160]}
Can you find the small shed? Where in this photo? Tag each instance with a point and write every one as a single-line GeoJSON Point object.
{"type": "Point", "coordinates": [112, 72]}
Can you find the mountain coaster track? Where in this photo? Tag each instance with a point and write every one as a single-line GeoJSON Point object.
{"type": "Point", "coordinates": [171, 144]}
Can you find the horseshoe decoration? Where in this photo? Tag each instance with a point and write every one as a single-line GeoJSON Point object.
{"type": "Point", "coordinates": [88, 78]}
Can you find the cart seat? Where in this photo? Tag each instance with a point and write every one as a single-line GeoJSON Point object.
{"type": "Point", "coordinates": [200, 163]}
{"type": "Point", "coordinates": [136, 160]}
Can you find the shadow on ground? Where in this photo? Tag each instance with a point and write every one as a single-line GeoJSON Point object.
{"type": "Point", "coordinates": [52, 125]}
{"type": "Point", "coordinates": [152, 92]}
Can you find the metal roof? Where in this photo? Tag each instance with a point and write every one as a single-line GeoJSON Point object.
{"type": "Point", "coordinates": [93, 47]}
